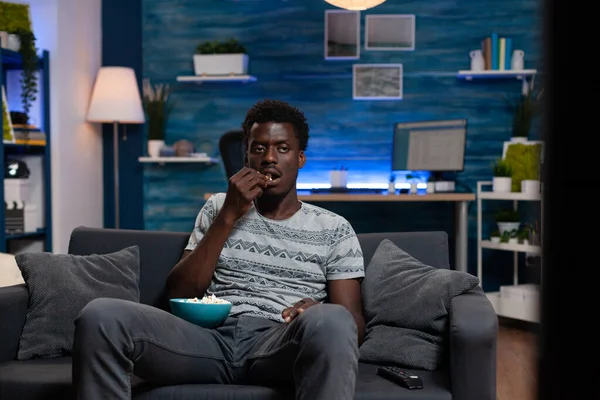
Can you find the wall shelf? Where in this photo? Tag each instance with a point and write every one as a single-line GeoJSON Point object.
{"type": "Point", "coordinates": [494, 74]}
{"type": "Point", "coordinates": [225, 78]}
{"type": "Point", "coordinates": [164, 160]}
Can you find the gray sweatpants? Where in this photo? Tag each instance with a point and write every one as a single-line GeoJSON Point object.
{"type": "Point", "coordinates": [115, 339]}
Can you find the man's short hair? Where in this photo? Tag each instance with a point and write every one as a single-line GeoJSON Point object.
{"type": "Point", "coordinates": [277, 111]}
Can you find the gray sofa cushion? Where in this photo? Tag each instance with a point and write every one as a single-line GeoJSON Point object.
{"type": "Point", "coordinates": [60, 285]}
{"type": "Point", "coordinates": [406, 306]}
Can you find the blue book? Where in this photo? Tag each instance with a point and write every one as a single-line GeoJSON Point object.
{"type": "Point", "coordinates": [495, 51]}
{"type": "Point", "coordinates": [507, 57]}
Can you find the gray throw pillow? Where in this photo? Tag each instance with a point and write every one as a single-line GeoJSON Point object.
{"type": "Point", "coordinates": [60, 285]}
{"type": "Point", "coordinates": [406, 306]}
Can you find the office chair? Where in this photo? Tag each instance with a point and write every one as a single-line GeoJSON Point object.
{"type": "Point", "coordinates": [232, 149]}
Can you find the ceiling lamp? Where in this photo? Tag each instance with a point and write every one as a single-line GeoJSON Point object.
{"type": "Point", "coordinates": [355, 5]}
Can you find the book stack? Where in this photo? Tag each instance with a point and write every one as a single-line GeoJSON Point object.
{"type": "Point", "coordinates": [497, 52]}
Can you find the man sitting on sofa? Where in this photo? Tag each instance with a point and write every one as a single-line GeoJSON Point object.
{"type": "Point", "coordinates": [275, 258]}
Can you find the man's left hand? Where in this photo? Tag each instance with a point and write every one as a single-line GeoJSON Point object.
{"type": "Point", "coordinates": [292, 312]}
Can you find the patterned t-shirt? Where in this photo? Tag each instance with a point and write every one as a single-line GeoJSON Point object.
{"type": "Point", "coordinates": [267, 265]}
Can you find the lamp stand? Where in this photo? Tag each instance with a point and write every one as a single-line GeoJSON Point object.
{"type": "Point", "coordinates": [116, 170]}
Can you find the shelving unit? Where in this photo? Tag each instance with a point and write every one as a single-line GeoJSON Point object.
{"type": "Point", "coordinates": [225, 78]}
{"type": "Point", "coordinates": [490, 74]}
{"type": "Point", "coordinates": [512, 301]}
{"type": "Point", "coordinates": [11, 61]}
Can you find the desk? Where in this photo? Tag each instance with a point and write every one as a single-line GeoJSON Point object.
{"type": "Point", "coordinates": [461, 200]}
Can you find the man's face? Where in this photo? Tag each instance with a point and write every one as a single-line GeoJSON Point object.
{"type": "Point", "coordinates": [273, 149]}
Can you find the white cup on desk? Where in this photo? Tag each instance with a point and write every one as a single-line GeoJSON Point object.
{"type": "Point", "coordinates": [338, 178]}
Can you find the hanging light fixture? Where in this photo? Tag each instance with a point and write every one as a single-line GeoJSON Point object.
{"type": "Point", "coordinates": [355, 5]}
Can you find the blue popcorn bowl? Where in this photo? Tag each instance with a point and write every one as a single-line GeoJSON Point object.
{"type": "Point", "coordinates": [201, 314]}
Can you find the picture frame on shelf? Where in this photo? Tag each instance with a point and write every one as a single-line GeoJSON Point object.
{"type": "Point", "coordinates": [377, 82]}
{"type": "Point", "coordinates": [390, 32]}
{"type": "Point", "coordinates": [342, 35]}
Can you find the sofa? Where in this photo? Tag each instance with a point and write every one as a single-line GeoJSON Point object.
{"type": "Point", "coordinates": [468, 371]}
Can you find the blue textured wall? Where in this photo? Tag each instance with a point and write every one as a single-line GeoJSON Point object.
{"type": "Point", "coordinates": [285, 42]}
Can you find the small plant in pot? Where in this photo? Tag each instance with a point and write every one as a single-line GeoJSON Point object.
{"type": "Point", "coordinates": [523, 235]}
{"type": "Point", "coordinates": [508, 220]}
{"type": "Point", "coordinates": [220, 58]}
{"type": "Point", "coordinates": [513, 237]}
{"type": "Point", "coordinates": [502, 171]}
{"type": "Point", "coordinates": [495, 236]}
{"type": "Point", "coordinates": [157, 104]}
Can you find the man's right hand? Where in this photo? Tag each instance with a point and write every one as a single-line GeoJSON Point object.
{"type": "Point", "coordinates": [245, 186]}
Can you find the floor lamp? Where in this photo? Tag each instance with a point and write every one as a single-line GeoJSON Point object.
{"type": "Point", "coordinates": [116, 99]}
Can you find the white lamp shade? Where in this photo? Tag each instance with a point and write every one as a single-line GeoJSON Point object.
{"type": "Point", "coordinates": [116, 97]}
{"type": "Point", "coordinates": [355, 5]}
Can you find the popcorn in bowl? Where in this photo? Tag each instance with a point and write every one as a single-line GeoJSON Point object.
{"type": "Point", "coordinates": [212, 299]}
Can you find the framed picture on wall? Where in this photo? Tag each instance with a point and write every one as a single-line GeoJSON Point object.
{"type": "Point", "coordinates": [394, 32]}
{"type": "Point", "coordinates": [377, 82]}
{"type": "Point", "coordinates": [342, 35]}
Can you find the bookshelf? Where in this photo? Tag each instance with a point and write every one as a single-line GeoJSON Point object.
{"type": "Point", "coordinates": [36, 154]}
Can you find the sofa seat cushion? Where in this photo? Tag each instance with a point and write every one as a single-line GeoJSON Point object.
{"type": "Point", "coordinates": [36, 379]}
{"type": "Point", "coordinates": [370, 386]}
{"type": "Point", "coordinates": [51, 379]}
{"type": "Point", "coordinates": [208, 392]}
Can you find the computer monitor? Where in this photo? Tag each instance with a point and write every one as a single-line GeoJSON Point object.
{"type": "Point", "coordinates": [435, 145]}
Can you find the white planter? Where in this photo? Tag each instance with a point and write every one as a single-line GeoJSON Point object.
{"type": "Point", "coordinates": [508, 226]}
{"type": "Point", "coordinates": [413, 188]}
{"type": "Point", "coordinates": [495, 239]}
{"type": "Point", "coordinates": [154, 147]}
{"type": "Point", "coordinates": [221, 64]}
{"type": "Point", "coordinates": [430, 187]}
{"type": "Point", "coordinates": [530, 186]}
{"type": "Point", "coordinates": [501, 184]}
{"type": "Point", "coordinates": [513, 241]}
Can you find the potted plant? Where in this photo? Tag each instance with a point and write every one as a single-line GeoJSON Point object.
{"type": "Point", "coordinates": [502, 180]}
{"type": "Point", "coordinates": [524, 110]}
{"type": "Point", "coordinates": [495, 236]}
{"type": "Point", "coordinates": [507, 220]}
{"type": "Point", "coordinates": [16, 22]}
{"type": "Point", "coordinates": [523, 235]}
{"type": "Point", "coordinates": [513, 237]}
{"type": "Point", "coordinates": [220, 58]}
{"type": "Point", "coordinates": [157, 106]}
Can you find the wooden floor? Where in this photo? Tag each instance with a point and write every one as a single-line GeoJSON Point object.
{"type": "Point", "coordinates": [517, 361]}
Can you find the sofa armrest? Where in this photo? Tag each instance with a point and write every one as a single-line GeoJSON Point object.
{"type": "Point", "coordinates": [473, 337]}
{"type": "Point", "coordinates": [14, 301]}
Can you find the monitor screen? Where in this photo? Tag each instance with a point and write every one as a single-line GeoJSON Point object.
{"type": "Point", "coordinates": [429, 145]}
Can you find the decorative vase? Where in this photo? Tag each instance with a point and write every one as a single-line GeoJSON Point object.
{"type": "Point", "coordinates": [154, 147]}
{"type": "Point", "coordinates": [501, 184]}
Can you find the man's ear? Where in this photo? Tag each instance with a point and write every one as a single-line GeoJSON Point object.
{"type": "Point", "coordinates": [301, 159]}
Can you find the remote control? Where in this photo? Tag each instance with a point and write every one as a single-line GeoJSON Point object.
{"type": "Point", "coordinates": [400, 377]}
